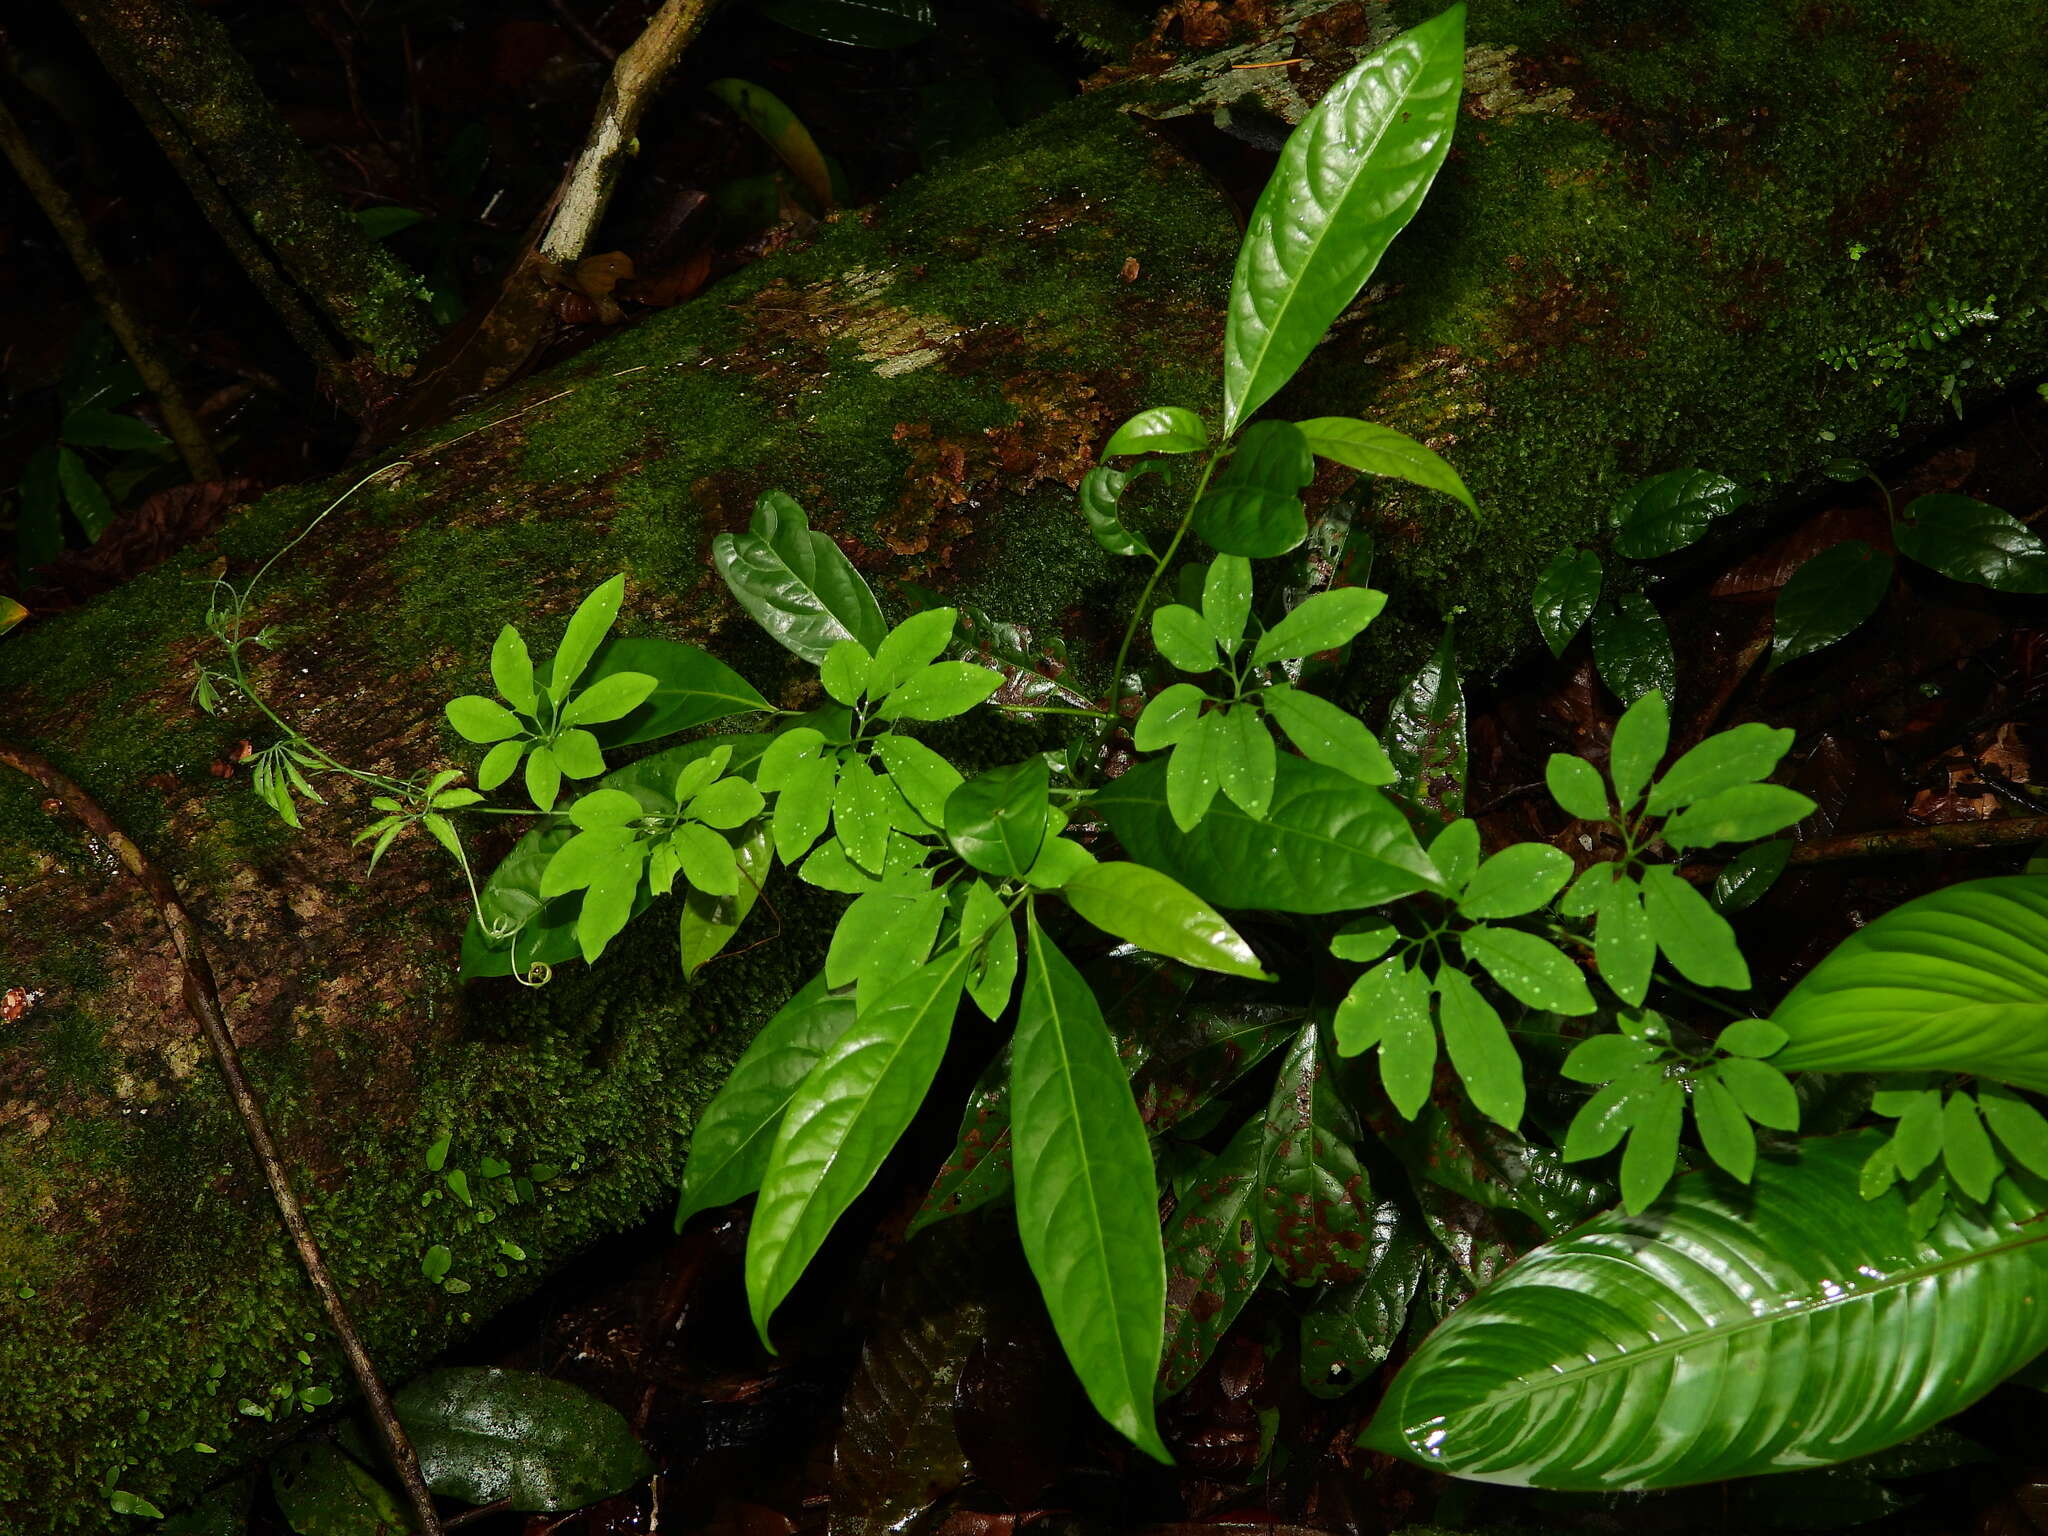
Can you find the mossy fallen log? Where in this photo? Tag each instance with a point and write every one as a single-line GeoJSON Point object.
{"type": "Point", "coordinates": [1660, 240]}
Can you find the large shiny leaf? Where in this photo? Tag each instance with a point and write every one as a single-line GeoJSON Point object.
{"type": "Point", "coordinates": [1314, 1201]}
{"type": "Point", "coordinates": [1726, 1332]}
{"type": "Point", "coordinates": [729, 1147]}
{"type": "Point", "coordinates": [534, 1442]}
{"type": "Point", "coordinates": [1425, 734]}
{"type": "Point", "coordinates": [1351, 1328]}
{"type": "Point", "coordinates": [796, 583]}
{"type": "Point", "coordinates": [1139, 904]}
{"type": "Point", "coordinates": [843, 1120]}
{"type": "Point", "coordinates": [1086, 1208]}
{"type": "Point", "coordinates": [1327, 843]}
{"type": "Point", "coordinates": [1972, 542]}
{"type": "Point", "coordinates": [1349, 180]}
{"type": "Point", "coordinates": [1954, 981]}
{"type": "Point", "coordinates": [1214, 1258]}
{"type": "Point", "coordinates": [691, 688]}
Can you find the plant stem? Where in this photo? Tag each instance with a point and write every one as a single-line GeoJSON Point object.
{"type": "Point", "coordinates": [202, 1000]}
{"type": "Point", "coordinates": [1123, 650]}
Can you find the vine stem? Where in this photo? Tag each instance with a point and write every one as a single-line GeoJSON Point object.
{"type": "Point", "coordinates": [202, 1001]}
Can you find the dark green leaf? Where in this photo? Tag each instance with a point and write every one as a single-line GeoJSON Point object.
{"type": "Point", "coordinates": [1969, 541]}
{"type": "Point", "coordinates": [92, 427]}
{"type": "Point", "coordinates": [1194, 771]}
{"type": "Point", "coordinates": [1407, 1035]}
{"type": "Point", "coordinates": [1102, 491]}
{"type": "Point", "coordinates": [691, 688]}
{"type": "Point", "coordinates": [537, 1443]}
{"type": "Point", "coordinates": [1565, 596]}
{"type": "Point", "coordinates": [1425, 734]}
{"type": "Point", "coordinates": [1162, 429]}
{"type": "Point", "coordinates": [1632, 649]}
{"type": "Point", "coordinates": [996, 820]}
{"type": "Point", "coordinates": [984, 921]}
{"type": "Point", "coordinates": [1328, 843]}
{"type": "Point", "coordinates": [1954, 981]}
{"type": "Point", "coordinates": [1669, 511]}
{"type": "Point", "coordinates": [1455, 852]}
{"type": "Point", "coordinates": [1352, 1328]}
{"type": "Point", "coordinates": [381, 223]}
{"type": "Point", "coordinates": [1567, 1373]}
{"type": "Point", "coordinates": [843, 1120]}
{"type": "Point", "coordinates": [324, 1492]}
{"type": "Point", "coordinates": [1156, 913]}
{"type": "Point", "coordinates": [857, 23]}
{"type": "Point", "coordinates": [1254, 506]}
{"type": "Point", "coordinates": [979, 1170]}
{"type": "Point", "coordinates": [1214, 1258]}
{"type": "Point", "coordinates": [796, 583]}
{"type": "Point", "coordinates": [1314, 1203]}
{"type": "Point", "coordinates": [1764, 1093]}
{"type": "Point", "coordinates": [1827, 598]}
{"type": "Point", "coordinates": [1382, 451]}
{"type": "Point", "coordinates": [1086, 1208]}
{"type": "Point", "coordinates": [1349, 179]}
{"type": "Point", "coordinates": [84, 495]}
{"type": "Point", "coordinates": [1652, 1152]}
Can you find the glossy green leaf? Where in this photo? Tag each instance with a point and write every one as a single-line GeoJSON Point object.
{"type": "Point", "coordinates": [1247, 760]}
{"type": "Point", "coordinates": [1327, 844]}
{"type": "Point", "coordinates": [1323, 622]}
{"type": "Point", "coordinates": [1194, 771]}
{"type": "Point", "coordinates": [1374, 450]}
{"type": "Point", "coordinates": [576, 753]}
{"type": "Point", "coordinates": [856, 23]}
{"type": "Point", "coordinates": [1695, 937]}
{"type": "Point", "coordinates": [804, 806]}
{"type": "Point", "coordinates": [988, 926]}
{"type": "Point", "coordinates": [1604, 1119]}
{"type": "Point", "coordinates": [1146, 908]}
{"type": "Point", "coordinates": [1623, 946]}
{"type": "Point", "coordinates": [1349, 1329]}
{"type": "Point", "coordinates": [1602, 1058]}
{"type": "Point", "coordinates": [1738, 815]}
{"type": "Point", "coordinates": [1969, 541]}
{"type": "Point", "coordinates": [1253, 507]}
{"type": "Point", "coordinates": [910, 647]}
{"type": "Point", "coordinates": [1086, 1208]}
{"type": "Point", "coordinates": [1516, 881]}
{"type": "Point", "coordinates": [1168, 717]}
{"type": "Point", "coordinates": [1966, 1150]}
{"type": "Point", "coordinates": [940, 691]}
{"type": "Point", "coordinates": [843, 1120]}
{"type": "Point", "coordinates": [1326, 733]}
{"type": "Point", "coordinates": [1726, 1333]}
{"type": "Point", "coordinates": [604, 700]}
{"type": "Point", "coordinates": [481, 720]}
{"type": "Point", "coordinates": [1425, 734]}
{"type": "Point", "coordinates": [1576, 785]}
{"type": "Point", "coordinates": [1529, 969]}
{"type": "Point", "coordinates": [512, 671]}
{"type": "Point", "coordinates": [1743, 755]}
{"type": "Point", "coordinates": [1565, 596]}
{"type": "Point", "coordinates": [1184, 637]}
{"type": "Point", "coordinates": [1640, 738]}
{"type": "Point", "coordinates": [1479, 1047]}
{"type": "Point", "coordinates": [796, 583]}
{"type": "Point", "coordinates": [1349, 180]}
{"type": "Point", "coordinates": [996, 820]}
{"type": "Point", "coordinates": [708, 922]}
{"type": "Point", "coordinates": [1162, 429]}
{"type": "Point", "coordinates": [1954, 981]}
{"type": "Point", "coordinates": [1214, 1257]}
{"type": "Point", "coordinates": [978, 1172]}
{"type": "Point", "coordinates": [1651, 1156]}
{"type": "Point", "coordinates": [1314, 1202]}
{"type": "Point", "coordinates": [1455, 852]}
{"type": "Point", "coordinates": [925, 779]}
{"type": "Point", "coordinates": [860, 814]}
{"type": "Point", "coordinates": [529, 1440]}
{"type": "Point", "coordinates": [1102, 491]}
{"type": "Point", "coordinates": [844, 672]}
{"type": "Point", "coordinates": [323, 1491]}
{"type": "Point", "coordinates": [691, 688]}
{"type": "Point", "coordinates": [1407, 1035]}
{"type": "Point", "coordinates": [1227, 598]}
{"type": "Point", "coordinates": [884, 934]}
{"type": "Point", "coordinates": [1632, 649]}
{"type": "Point", "coordinates": [1827, 598]}
{"type": "Point", "coordinates": [588, 626]}
{"type": "Point", "coordinates": [1667, 512]}
{"type": "Point", "coordinates": [1724, 1129]}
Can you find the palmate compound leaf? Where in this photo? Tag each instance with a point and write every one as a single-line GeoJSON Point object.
{"type": "Point", "coordinates": [1727, 1332]}
{"type": "Point", "coordinates": [1349, 180]}
{"type": "Point", "coordinates": [1954, 981]}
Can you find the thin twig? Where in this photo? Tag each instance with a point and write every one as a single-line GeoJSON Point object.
{"type": "Point", "coordinates": [202, 1000]}
{"type": "Point", "coordinates": [1942, 839]}
{"type": "Point", "coordinates": [636, 75]}
{"type": "Point", "coordinates": [63, 214]}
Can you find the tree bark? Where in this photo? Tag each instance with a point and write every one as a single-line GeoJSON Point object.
{"type": "Point", "coordinates": [1638, 257]}
{"type": "Point", "coordinates": [262, 191]}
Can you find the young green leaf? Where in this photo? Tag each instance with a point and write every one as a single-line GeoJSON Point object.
{"type": "Point", "coordinates": [512, 670]}
{"type": "Point", "coordinates": [925, 779]}
{"type": "Point", "coordinates": [1652, 1153]}
{"type": "Point", "coordinates": [1349, 179]}
{"type": "Point", "coordinates": [796, 583]}
{"type": "Point", "coordinates": [708, 861]}
{"type": "Point", "coordinates": [1688, 929]}
{"type": "Point", "coordinates": [1247, 758]}
{"type": "Point", "coordinates": [1162, 429]}
{"type": "Point", "coordinates": [1968, 541]}
{"type": "Point", "coordinates": [1102, 492]}
{"type": "Point", "coordinates": [883, 935]}
{"type": "Point", "coordinates": [1146, 908]}
{"type": "Point", "coordinates": [1737, 815]}
{"type": "Point", "coordinates": [860, 814]}
{"type": "Point", "coordinates": [1577, 787]}
{"type": "Point", "coordinates": [803, 806]}
{"type": "Point", "coordinates": [784, 753]}
{"type": "Point", "coordinates": [844, 672]}
{"type": "Point", "coordinates": [1724, 1129]}
{"type": "Point", "coordinates": [1640, 738]}
{"type": "Point", "coordinates": [1325, 733]}
{"type": "Point", "coordinates": [1743, 755]}
{"type": "Point", "coordinates": [1373, 450]}
{"type": "Point", "coordinates": [843, 1120]}
{"type": "Point", "coordinates": [1320, 623]}
{"type": "Point", "coordinates": [1751, 1037]}
{"type": "Point", "coordinates": [1529, 969]}
{"type": "Point", "coordinates": [1366, 939]}
{"type": "Point", "coordinates": [577, 754]}
{"type": "Point", "coordinates": [1195, 770]}
{"type": "Point", "coordinates": [1623, 946]}
{"type": "Point", "coordinates": [1184, 638]}
{"type": "Point", "coordinates": [1254, 506]}
{"type": "Point", "coordinates": [1632, 649]}
{"type": "Point", "coordinates": [584, 857]}
{"type": "Point", "coordinates": [1966, 1150]}
{"type": "Point", "coordinates": [707, 923]}
{"type": "Point", "coordinates": [729, 1147]}
{"type": "Point", "coordinates": [987, 927]}
{"type": "Point", "coordinates": [727, 805]}
{"type": "Point", "coordinates": [1765, 1094]}
{"type": "Point", "coordinates": [1667, 512]}
{"type": "Point", "coordinates": [996, 820]}
{"type": "Point", "coordinates": [1086, 1208]}
{"type": "Point", "coordinates": [608, 900]}
{"type": "Point", "coordinates": [1827, 598]}
{"type": "Point", "coordinates": [1516, 881]}
{"type": "Point", "coordinates": [1602, 1058]}
{"type": "Point", "coordinates": [1168, 717]}
{"type": "Point", "coordinates": [1227, 599]}
{"type": "Point", "coordinates": [588, 626]}
{"type": "Point", "coordinates": [1565, 596]}
{"type": "Point", "coordinates": [2019, 1127]}
{"type": "Point", "coordinates": [481, 720]}
{"type": "Point", "coordinates": [1407, 1035]}
{"type": "Point", "coordinates": [606, 808]}
{"type": "Point", "coordinates": [941, 691]}
{"type": "Point", "coordinates": [1480, 1050]}
{"type": "Point", "coordinates": [910, 647]}
{"type": "Point", "coordinates": [608, 698]}
{"type": "Point", "coordinates": [1362, 1016]}
{"type": "Point", "coordinates": [1605, 1118]}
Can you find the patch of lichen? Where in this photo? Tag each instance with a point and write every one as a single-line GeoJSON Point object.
{"type": "Point", "coordinates": [1540, 323]}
